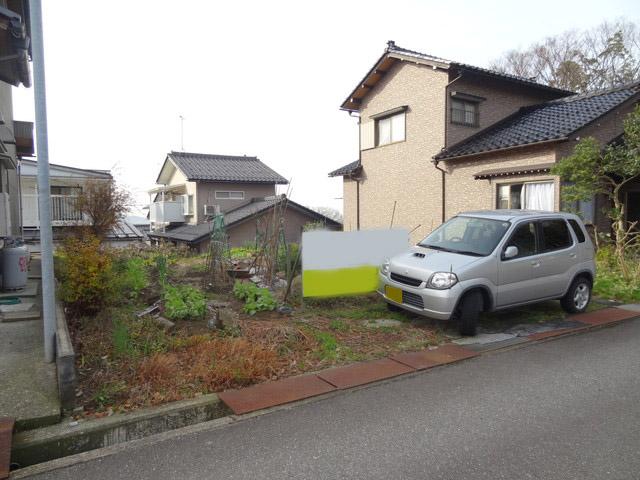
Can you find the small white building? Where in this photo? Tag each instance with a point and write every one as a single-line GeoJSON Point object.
{"type": "Point", "coordinates": [66, 184]}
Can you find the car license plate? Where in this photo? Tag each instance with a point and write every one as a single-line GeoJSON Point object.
{"type": "Point", "coordinates": [393, 293]}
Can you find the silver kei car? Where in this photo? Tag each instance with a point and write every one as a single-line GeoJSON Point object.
{"type": "Point", "coordinates": [492, 260]}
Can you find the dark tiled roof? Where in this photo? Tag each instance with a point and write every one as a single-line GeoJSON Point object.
{"type": "Point", "coordinates": [393, 48]}
{"type": "Point", "coordinates": [197, 233]}
{"type": "Point", "coordinates": [224, 168]}
{"type": "Point", "coordinates": [519, 170]}
{"type": "Point", "coordinates": [550, 121]}
{"type": "Point", "coordinates": [347, 169]}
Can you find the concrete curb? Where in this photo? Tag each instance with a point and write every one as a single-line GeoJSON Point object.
{"type": "Point", "coordinates": [69, 438]}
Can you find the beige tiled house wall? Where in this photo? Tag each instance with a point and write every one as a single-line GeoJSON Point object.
{"type": "Point", "coordinates": [464, 192]}
{"type": "Point", "coordinates": [402, 172]}
{"type": "Point", "coordinates": [502, 99]}
{"type": "Point", "coordinates": [349, 200]}
{"type": "Point", "coordinates": [206, 195]}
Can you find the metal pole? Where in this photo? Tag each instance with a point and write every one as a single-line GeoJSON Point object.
{"type": "Point", "coordinates": [44, 197]}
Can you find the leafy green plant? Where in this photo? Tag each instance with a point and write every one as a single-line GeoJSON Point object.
{"type": "Point", "coordinates": [183, 302]}
{"type": "Point", "coordinates": [132, 276]}
{"type": "Point", "coordinates": [243, 252]}
{"type": "Point", "coordinates": [256, 299]}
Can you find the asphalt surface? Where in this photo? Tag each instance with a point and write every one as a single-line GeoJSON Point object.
{"type": "Point", "coordinates": [564, 409]}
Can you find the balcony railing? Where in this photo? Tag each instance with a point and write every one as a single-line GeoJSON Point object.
{"type": "Point", "coordinates": [167, 212]}
{"type": "Point", "coordinates": [63, 210]}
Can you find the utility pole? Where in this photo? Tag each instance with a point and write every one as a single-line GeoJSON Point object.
{"type": "Point", "coordinates": [44, 196]}
{"type": "Point", "coordinates": [181, 133]}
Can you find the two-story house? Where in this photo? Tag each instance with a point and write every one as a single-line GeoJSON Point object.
{"type": "Point", "coordinates": [66, 184]}
{"type": "Point", "coordinates": [16, 138]}
{"type": "Point", "coordinates": [438, 137]}
{"type": "Point", "coordinates": [192, 187]}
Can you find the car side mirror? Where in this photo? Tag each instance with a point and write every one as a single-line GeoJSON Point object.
{"type": "Point", "coordinates": [510, 252]}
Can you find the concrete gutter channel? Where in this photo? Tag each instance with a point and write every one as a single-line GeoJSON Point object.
{"type": "Point", "coordinates": [32, 447]}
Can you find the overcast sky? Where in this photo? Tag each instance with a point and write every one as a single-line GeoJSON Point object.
{"type": "Point", "coordinates": [261, 78]}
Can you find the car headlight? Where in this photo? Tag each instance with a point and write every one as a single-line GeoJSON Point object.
{"type": "Point", "coordinates": [385, 267]}
{"type": "Point", "coordinates": [442, 280]}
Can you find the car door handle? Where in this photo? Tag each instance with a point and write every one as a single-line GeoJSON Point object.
{"type": "Point", "coordinates": [535, 263]}
{"type": "Point", "coordinates": [573, 255]}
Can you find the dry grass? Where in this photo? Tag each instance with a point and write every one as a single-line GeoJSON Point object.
{"type": "Point", "coordinates": [206, 366]}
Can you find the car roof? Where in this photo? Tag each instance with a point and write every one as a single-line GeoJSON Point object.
{"type": "Point", "coordinates": [509, 215]}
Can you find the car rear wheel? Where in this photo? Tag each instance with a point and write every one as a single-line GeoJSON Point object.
{"type": "Point", "coordinates": [467, 313]}
{"type": "Point", "coordinates": [577, 298]}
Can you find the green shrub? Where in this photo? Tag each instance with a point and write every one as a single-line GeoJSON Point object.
{"type": "Point", "coordinates": [184, 302]}
{"type": "Point", "coordinates": [256, 299]}
{"type": "Point", "coordinates": [132, 276]}
{"type": "Point", "coordinates": [243, 252]}
{"type": "Point", "coordinates": [85, 271]}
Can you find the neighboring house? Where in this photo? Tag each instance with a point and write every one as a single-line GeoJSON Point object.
{"type": "Point", "coordinates": [438, 137]}
{"type": "Point", "coordinates": [16, 138]}
{"type": "Point", "coordinates": [141, 223]}
{"type": "Point", "coordinates": [193, 186]}
{"type": "Point", "coordinates": [66, 184]}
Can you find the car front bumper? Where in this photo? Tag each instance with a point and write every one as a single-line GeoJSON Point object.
{"type": "Point", "coordinates": [432, 303]}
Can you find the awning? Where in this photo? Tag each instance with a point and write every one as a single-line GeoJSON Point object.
{"type": "Point", "coordinates": [520, 170]}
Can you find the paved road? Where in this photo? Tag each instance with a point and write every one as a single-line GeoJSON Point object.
{"type": "Point", "coordinates": [565, 409]}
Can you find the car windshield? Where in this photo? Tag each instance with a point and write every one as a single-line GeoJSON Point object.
{"type": "Point", "coordinates": [467, 235]}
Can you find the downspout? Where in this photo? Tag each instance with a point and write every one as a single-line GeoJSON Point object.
{"type": "Point", "coordinates": [436, 162]}
{"type": "Point", "coordinates": [357, 180]}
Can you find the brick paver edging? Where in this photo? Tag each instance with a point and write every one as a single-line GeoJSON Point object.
{"type": "Point", "coordinates": [271, 394]}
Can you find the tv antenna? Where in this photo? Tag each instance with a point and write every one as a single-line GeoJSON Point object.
{"type": "Point", "coordinates": [181, 133]}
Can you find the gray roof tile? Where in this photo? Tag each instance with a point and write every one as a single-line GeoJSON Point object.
{"type": "Point", "coordinates": [347, 169]}
{"type": "Point", "coordinates": [196, 233]}
{"type": "Point", "coordinates": [553, 120]}
{"type": "Point", "coordinates": [224, 168]}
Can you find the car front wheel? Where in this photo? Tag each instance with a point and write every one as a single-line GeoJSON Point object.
{"type": "Point", "coordinates": [468, 312]}
{"type": "Point", "coordinates": [577, 298]}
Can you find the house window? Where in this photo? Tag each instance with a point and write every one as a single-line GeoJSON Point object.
{"type": "Point", "coordinates": [187, 203]}
{"type": "Point", "coordinates": [228, 195]}
{"type": "Point", "coordinates": [526, 196]}
{"type": "Point", "coordinates": [465, 112]}
{"type": "Point", "coordinates": [61, 190]}
{"type": "Point", "coordinates": [390, 129]}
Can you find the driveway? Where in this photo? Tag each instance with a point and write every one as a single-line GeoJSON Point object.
{"type": "Point", "coordinates": [561, 409]}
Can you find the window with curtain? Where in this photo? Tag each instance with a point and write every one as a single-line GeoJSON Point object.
{"type": "Point", "coordinates": [537, 196]}
{"type": "Point", "coordinates": [465, 113]}
{"type": "Point", "coordinates": [390, 129]}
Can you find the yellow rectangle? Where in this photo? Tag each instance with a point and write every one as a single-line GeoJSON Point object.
{"type": "Point", "coordinates": [340, 281]}
{"type": "Point", "coordinates": [393, 293]}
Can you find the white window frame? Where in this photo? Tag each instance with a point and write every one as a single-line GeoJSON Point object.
{"type": "Point", "coordinates": [400, 132]}
{"type": "Point", "coordinates": [227, 195]}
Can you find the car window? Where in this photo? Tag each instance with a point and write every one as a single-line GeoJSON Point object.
{"type": "Point", "coordinates": [554, 235]}
{"type": "Point", "coordinates": [524, 238]}
{"type": "Point", "coordinates": [467, 235]}
{"type": "Point", "coordinates": [577, 230]}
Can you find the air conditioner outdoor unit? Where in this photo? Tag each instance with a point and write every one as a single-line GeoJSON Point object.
{"type": "Point", "coordinates": [5, 215]}
{"type": "Point", "coordinates": [211, 209]}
